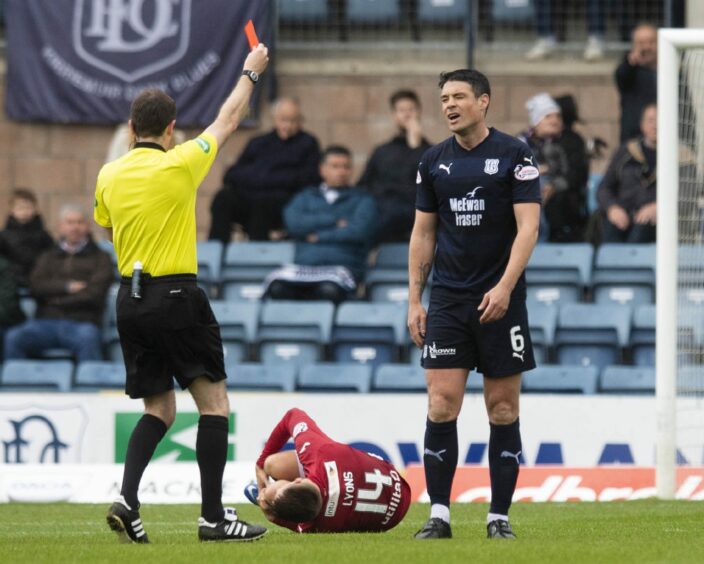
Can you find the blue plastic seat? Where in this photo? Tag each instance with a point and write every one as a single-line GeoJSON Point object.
{"type": "Point", "coordinates": [373, 11]}
{"type": "Point", "coordinates": [627, 380]}
{"type": "Point", "coordinates": [512, 11]}
{"type": "Point", "coordinates": [643, 336]}
{"type": "Point", "coordinates": [387, 280]}
{"type": "Point", "coordinates": [242, 291]}
{"type": "Point", "coordinates": [475, 382]}
{"type": "Point", "coordinates": [691, 265]}
{"type": "Point", "coordinates": [542, 319]}
{"type": "Point", "coordinates": [294, 331]}
{"type": "Point", "coordinates": [443, 11]}
{"type": "Point", "coordinates": [624, 274]}
{"type": "Point", "coordinates": [238, 327]}
{"type": "Point", "coordinates": [95, 375]}
{"type": "Point", "coordinates": [302, 11]}
{"type": "Point", "coordinates": [558, 273]}
{"type": "Point", "coordinates": [335, 377]}
{"type": "Point", "coordinates": [54, 375]}
{"type": "Point", "coordinates": [369, 332]}
{"type": "Point", "coordinates": [252, 261]}
{"type": "Point", "coordinates": [690, 380]}
{"type": "Point", "coordinates": [562, 379]}
{"type": "Point", "coordinates": [254, 376]}
{"type": "Point", "coordinates": [209, 263]}
{"type": "Point", "coordinates": [592, 334]}
{"type": "Point", "coordinates": [399, 378]}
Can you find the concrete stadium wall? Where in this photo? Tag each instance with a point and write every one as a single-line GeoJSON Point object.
{"type": "Point", "coordinates": [61, 162]}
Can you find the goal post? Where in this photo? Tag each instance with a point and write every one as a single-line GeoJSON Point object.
{"type": "Point", "coordinates": [680, 86]}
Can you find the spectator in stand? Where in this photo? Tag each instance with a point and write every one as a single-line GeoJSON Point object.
{"type": "Point", "coordinates": [627, 192]}
{"type": "Point", "coordinates": [636, 79]}
{"type": "Point", "coordinates": [545, 26]}
{"type": "Point", "coordinates": [24, 237]}
{"type": "Point", "coordinates": [69, 282]}
{"type": "Point", "coordinates": [271, 169]}
{"type": "Point", "coordinates": [10, 311]}
{"type": "Point", "coordinates": [564, 170]}
{"type": "Point", "coordinates": [390, 175]}
{"type": "Point", "coordinates": [334, 228]}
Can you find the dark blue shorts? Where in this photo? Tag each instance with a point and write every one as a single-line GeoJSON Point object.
{"type": "Point", "coordinates": [454, 338]}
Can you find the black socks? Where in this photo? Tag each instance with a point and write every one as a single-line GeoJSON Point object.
{"type": "Point", "coordinates": [440, 459]}
{"type": "Point", "coordinates": [504, 452]}
{"type": "Point", "coordinates": [211, 452]}
{"type": "Point", "coordinates": [145, 436]}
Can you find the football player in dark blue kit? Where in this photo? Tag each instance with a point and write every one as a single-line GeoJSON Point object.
{"type": "Point", "coordinates": [477, 217]}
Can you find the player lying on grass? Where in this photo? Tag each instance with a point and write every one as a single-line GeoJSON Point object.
{"type": "Point", "coordinates": [323, 485]}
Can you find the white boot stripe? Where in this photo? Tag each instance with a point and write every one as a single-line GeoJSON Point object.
{"type": "Point", "coordinates": [140, 528]}
{"type": "Point", "coordinates": [139, 534]}
{"type": "Point", "coordinates": [137, 522]}
{"type": "Point", "coordinates": [244, 530]}
{"type": "Point", "coordinates": [237, 528]}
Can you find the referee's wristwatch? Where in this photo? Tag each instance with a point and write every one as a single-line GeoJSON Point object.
{"type": "Point", "coordinates": [251, 75]}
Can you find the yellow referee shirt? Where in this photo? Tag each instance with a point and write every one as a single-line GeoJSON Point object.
{"type": "Point", "coordinates": [148, 197]}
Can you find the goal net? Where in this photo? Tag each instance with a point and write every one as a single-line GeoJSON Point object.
{"type": "Point", "coordinates": [680, 256]}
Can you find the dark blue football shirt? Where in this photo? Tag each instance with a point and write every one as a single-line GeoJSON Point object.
{"type": "Point", "coordinates": [473, 193]}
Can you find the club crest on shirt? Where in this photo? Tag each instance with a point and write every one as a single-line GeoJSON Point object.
{"type": "Point", "coordinates": [491, 166]}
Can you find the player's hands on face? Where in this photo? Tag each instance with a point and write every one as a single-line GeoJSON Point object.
{"type": "Point", "coordinates": [262, 478]}
{"type": "Point", "coordinates": [257, 59]}
{"type": "Point", "coordinates": [618, 216]}
{"type": "Point", "coordinates": [647, 215]}
{"type": "Point", "coordinates": [494, 304]}
{"type": "Point", "coordinates": [416, 323]}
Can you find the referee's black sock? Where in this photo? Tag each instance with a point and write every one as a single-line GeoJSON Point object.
{"type": "Point", "coordinates": [440, 460]}
{"type": "Point", "coordinates": [211, 452]}
{"type": "Point", "coordinates": [504, 451]}
{"type": "Point", "coordinates": [145, 436]}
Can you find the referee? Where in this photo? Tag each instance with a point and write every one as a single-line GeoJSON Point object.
{"type": "Point", "coordinates": [146, 200]}
{"type": "Point", "coordinates": [477, 216]}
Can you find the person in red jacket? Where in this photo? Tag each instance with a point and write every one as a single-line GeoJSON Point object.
{"type": "Point", "coordinates": [326, 486]}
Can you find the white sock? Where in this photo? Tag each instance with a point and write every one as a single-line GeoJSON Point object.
{"type": "Point", "coordinates": [440, 512]}
{"type": "Point", "coordinates": [496, 517]}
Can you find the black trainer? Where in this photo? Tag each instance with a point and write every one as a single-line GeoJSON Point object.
{"type": "Point", "coordinates": [126, 522]}
{"type": "Point", "coordinates": [434, 528]}
{"type": "Point", "coordinates": [499, 529]}
{"type": "Point", "coordinates": [230, 529]}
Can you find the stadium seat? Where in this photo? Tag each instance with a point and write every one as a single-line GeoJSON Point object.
{"type": "Point", "coordinates": [238, 327]}
{"type": "Point", "coordinates": [563, 379]}
{"type": "Point", "coordinates": [369, 332]}
{"type": "Point", "coordinates": [302, 11]}
{"type": "Point", "coordinates": [592, 334]}
{"type": "Point", "coordinates": [691, 265]}
{"type": "Point", "coordinates": [399, 378]}
{"type": "Point", "coordinates": [294, 331]}
{"type": "Point", "coordinates": [475, 382]}
{"type": "Point", "coordinates": [690, 380]}
{"type": "Point", "coordinates": [95, 375]}
{"type": "Point", "coordinates": [643, 336]}
{"type": "Point", "coordinates": [254, 376]}
{"type": "Point", "coordinates": [627, 380]}
{"type": "Point", "coordinates": [542, 319]}
{"type": "Point", "coordinates": [373, 11]}
{"type": "Point", "coordinates": [512, 11]}
{"type": "Point", "coordinates": [558, 273]}
{"type": "Point", "coordinates": [250, 262]}
{"type": "Point", "coordinates": [387, 280]}
{"type": "Point", "coordinates": [335, 377]}
{"type": "Point", "coordinates": [209, 264]}
{"type": "Point", "coordinates": [34, 375]}
{"type": "Point", "coordinates": [442, 11]}
{"type": "Point", "coordinates": [624, 274]}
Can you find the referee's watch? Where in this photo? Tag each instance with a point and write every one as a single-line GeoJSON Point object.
{"type": "Point", "coordinates": [251, 75]}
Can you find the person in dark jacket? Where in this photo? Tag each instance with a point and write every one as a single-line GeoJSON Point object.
{"type": "Point", "coordinates": [636, 79]}
{"type": "Point", "coordinates": [271, 169]}
{"type": "Point", "coordinates": [564, 170]}
{"type": "Point", "coordinates": [627, 193]}
{"type": "Point", "coordinates": [70, 283]}
{"type": "Point", "coordinates": [24, 237]}
{"type": "Point", "coordinates": [390, 174]}
{"type": "Point", "coordinates": [334, 228]}
{"type": "Point", "coordinates": [10, 311]}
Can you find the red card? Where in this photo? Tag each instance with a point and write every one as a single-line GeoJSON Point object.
{"type": "Point", "coordinates": [251, 34]}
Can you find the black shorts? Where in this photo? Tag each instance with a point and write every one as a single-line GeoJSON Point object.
{"type": "Point", "coordinates": [454, 338]}
{"type": "Point", "coordinates": [169, 333]}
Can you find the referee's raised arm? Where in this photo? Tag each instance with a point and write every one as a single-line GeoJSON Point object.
{"type": "Point", "coordinates": [235, 106]}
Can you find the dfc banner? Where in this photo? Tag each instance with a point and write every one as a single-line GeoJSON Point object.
{"type": "Point", "coordinates": [83, 61]}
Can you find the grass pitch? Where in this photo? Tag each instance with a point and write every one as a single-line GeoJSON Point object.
{"type": "Point", "coordinates": [634, 531]}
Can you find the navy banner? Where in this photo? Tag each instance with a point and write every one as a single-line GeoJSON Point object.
{"type": "Point", "coordinates": [82, 61]}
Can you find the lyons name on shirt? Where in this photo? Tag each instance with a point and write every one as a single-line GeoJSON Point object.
{"type": "Point", "coordinates": [460, 205]}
